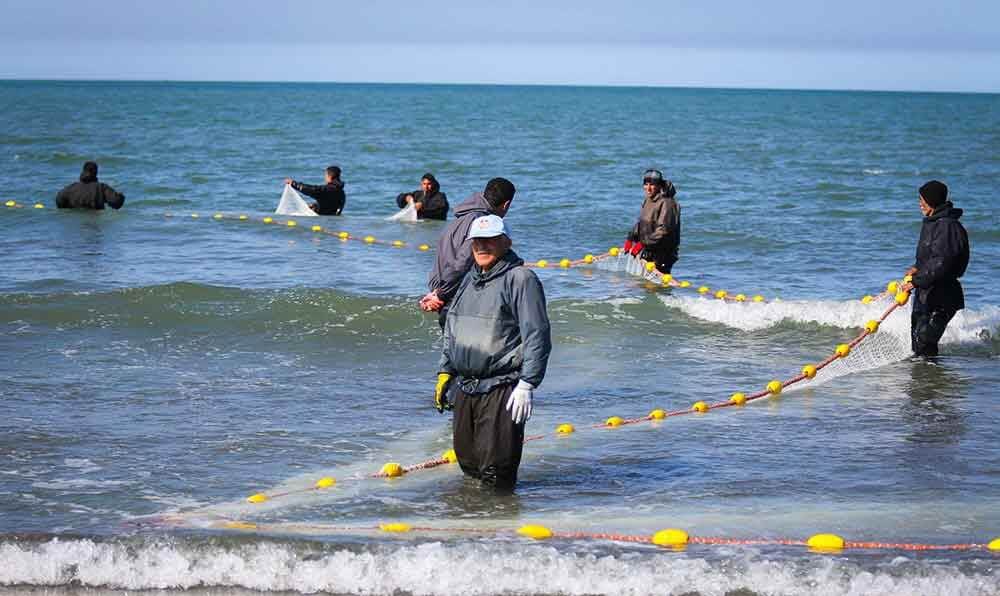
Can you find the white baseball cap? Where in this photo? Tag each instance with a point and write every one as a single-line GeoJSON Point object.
{"type": "Point", "coordinates": [488, 226]}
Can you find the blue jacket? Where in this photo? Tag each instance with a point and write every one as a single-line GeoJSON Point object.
{"type": "Point", "coordinates": [497, 329]}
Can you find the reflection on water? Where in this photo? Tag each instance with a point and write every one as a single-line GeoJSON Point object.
{"type": "Point", "coordinates": [934, 411]}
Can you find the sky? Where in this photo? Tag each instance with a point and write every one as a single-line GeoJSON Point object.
{"type": "Point", "coordinates": [918, 45]}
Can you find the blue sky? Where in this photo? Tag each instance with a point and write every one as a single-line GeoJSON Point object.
{"type": "Point", "coordinates": [888, 44]}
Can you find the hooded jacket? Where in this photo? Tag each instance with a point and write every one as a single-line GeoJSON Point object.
{"type": "Point", "coordinates": [330, 198]}
{"type": "Point", "coordinates": [88, 193]}
{"type": "Point", "coordinates": [942, 257]}
{"type": "Point", "coordinates": [434, 204]}
{"type": "Point", "coordinates": [497, 329]}
{"type": "Point", "coordinates": [659, 225]}
{"type": "Point", "coordinates": [454, 250]}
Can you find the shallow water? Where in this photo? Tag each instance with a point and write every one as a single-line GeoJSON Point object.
{"type": "Point", "coordinates": [160, 369]}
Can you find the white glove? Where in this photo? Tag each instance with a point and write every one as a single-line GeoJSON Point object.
{"type": "Point", "coordinates": [519, 404]}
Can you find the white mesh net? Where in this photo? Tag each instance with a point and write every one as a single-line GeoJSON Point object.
{"type": "Point", "coordinates": [408, 213]}
{"type": "Point", "coordinates": [890, 344]}
{"type": "Point", "coordinates": [292, 203]}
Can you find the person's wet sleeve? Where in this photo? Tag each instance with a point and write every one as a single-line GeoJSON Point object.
{"type": "Point", "coordinates": [947, 248]}
{"type": "Point", "coordinates": [62, 201]}
{"type": "Point", "coordinates": [310, 190]}
{"type": "Point", "coordinates": [528, 304]}
{"type": "Point", "coordinates": [444, 363]}
{"type": "Point", "coordinates": [113, 198]}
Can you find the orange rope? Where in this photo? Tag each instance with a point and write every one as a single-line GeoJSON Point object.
{"type": "Point", "coordinates": [627, 538]}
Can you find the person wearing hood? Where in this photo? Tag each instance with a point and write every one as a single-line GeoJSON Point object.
{"type": "Point", "coordinates": [656, 236]}
{"type": "Point", "coordinates": [497, 342]}
{"type": "Point", "coordinates": [942, 257]}
{"type": "Point", "coordinates": [330, 197]}
{"type": "Point", "coordinates": [454, 247]}
{"type": "Point", "coordinates": [88, 193]}
{"type": "Point", "coordinates": [429, 201]}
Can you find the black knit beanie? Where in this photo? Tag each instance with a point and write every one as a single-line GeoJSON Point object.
{"type": "Point", "coordinates": [934, 193]}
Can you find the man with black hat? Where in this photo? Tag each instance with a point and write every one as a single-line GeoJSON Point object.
{"type": "Point", "coordinates": [429, 201]}
{"type": "Point", "coordinates": [88, 193]}
{"type": "Point", "coordinates": [656, 236]}
{"type": "Point", "coordinates": [942, 257]}
{"type": "Point", "coordinates": [454, 248]}
{"type": "Point", "coordinates": [330, 197]}
{"type": "Point", "coordinates": [497, 342]}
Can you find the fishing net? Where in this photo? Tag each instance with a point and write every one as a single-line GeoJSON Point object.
{"type": "Point", "coordinates": [292, 203]}
{"type": "Point", "coordinates": [889, 345]}
{"type": "Point", "coordinates": [408, 213]}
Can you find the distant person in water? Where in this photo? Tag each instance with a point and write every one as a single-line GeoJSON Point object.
{"type": "Point", "coordinates": [330, 197]}
{"type": "Point", "coordinates": [656, 236]}
{"type": "Point", "coordinates": [429, 201]}
{"type": "Point", "coordinates": [942, 256]}
{"type": "Point", "coordinates": [88, 193]}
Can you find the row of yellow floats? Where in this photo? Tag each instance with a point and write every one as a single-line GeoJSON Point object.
{"type": "Point", "coordinates": [674, 539]}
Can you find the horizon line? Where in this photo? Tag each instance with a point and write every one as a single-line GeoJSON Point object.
{"type": "Point", "coordinates": [70, 79]}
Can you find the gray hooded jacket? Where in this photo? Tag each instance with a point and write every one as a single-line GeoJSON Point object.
{"type": "Point", "coordinates": [497, 329]}
{"type": "Point", "coordinates": [454, 249]}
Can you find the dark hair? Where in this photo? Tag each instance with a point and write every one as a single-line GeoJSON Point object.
{"type": "Point", "coordinates": [934, 193]}
{"type": "Point", "coordinates": [434, 183]}
{"type": "Point", "coordinates": [89, 173]}
{"type": "Point", "coordinates": [498, 191]}
{"type": "Point", "coordinates": [334, 172]}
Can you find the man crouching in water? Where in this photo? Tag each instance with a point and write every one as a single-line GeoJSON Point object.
{"type": "Point", "coordinates": [496, 344]}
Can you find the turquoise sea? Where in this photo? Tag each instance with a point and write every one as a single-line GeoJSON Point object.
{"type": "Point", "coordinates": [157, 368]}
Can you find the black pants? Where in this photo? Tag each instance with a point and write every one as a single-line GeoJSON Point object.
{"type": "Point", "coordinates": [927, 325]}
{"type": "Point", "coordinates": [664, 260]}
{"type": "Point", "coordinates": [487, 442]}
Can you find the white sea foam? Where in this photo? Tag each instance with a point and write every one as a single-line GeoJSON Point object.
{"type": "Point", "coordinates": [467, 568]}
{"type": "Point", "coordinates": [967, 326]}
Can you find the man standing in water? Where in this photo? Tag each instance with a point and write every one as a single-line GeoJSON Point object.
{"type": "Point", "coordinates": [429, 201]}
{"type": "Point", "coordinates": [656, 236]}
{"type": "Point", "coordinates": [88, 193]}
{"type": "Point", "coordinates": [496, 345]}
{"type": "Point", "coordinates": [454, 247]}
{"type": "Point", "coordinates": [942, 256]}
{"type": "Point", "coordinates": [330, 197]}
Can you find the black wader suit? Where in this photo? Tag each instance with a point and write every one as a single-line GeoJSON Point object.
{"type": "Point", "coordinates": [88, 193]}
{"type": "Point", "coordinates": [496, 333]}
{"type": "Point", "coordinates": [433, 205]}
{"type": "Point", "coordinates": [942, 257]}
{"type": "Point", "coordinates": [330, 198]}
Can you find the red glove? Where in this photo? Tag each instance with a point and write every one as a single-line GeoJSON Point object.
{"type": "Point", "coordinates": [627, 247]}
{"type": "Point", "coordinates": [636, 249]}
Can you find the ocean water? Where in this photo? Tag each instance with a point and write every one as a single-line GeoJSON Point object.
{"type": "Point", "coordinates": [158, 369]}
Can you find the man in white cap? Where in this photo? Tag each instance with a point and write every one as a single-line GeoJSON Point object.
{"type": "Point", "coordinates": [496, 347]}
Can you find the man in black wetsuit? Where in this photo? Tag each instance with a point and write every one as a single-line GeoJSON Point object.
{"type": "Point", "coordinates": [88, 193]}
{"type": "Point", "coordinates": [330, 197]}
{"type": "Point", "coordinates": [942, 257]}
{"type": "Point", "coordinates": [429, 201]}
